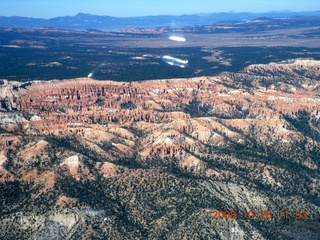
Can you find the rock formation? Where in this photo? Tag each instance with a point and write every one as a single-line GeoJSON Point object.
{"type": "Point", "coordinates": [81, 158]}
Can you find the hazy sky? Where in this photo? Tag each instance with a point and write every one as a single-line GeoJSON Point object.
{"type": "Point", "coordinates": [125, 8]}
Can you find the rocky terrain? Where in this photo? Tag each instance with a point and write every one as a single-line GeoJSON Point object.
{"type": "Point", "coordinates": [87, 159]}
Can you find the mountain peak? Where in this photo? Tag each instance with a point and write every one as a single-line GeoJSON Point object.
{"type": "Point", "coordinates": [84, 15]}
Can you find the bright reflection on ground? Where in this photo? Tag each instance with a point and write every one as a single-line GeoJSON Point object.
{"type": "Point", "coordinates": [177, 38]}
{"type": "Point", "coordinates": [175, 61]}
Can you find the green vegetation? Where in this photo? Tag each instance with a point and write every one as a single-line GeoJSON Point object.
{"type": "Point", "coordinates": [128, 105]}
{"type": "Point", "coordinates": [100, 102]}
{"type": "Point", "coordinates": [61, 58]}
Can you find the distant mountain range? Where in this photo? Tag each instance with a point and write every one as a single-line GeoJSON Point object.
{"type": "Point", "coordinates": [84, 21]}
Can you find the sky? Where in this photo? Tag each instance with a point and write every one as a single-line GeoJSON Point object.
{"type": "Point", "coordinates": [128, 8]}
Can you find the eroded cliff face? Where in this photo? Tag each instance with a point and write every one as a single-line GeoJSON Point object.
{"type": "Point", "coordinates": [152, 159]}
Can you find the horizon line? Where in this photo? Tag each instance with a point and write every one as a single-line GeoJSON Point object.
{"type": "Point", "coordinates": [170, 15]}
